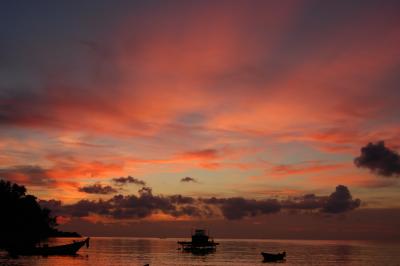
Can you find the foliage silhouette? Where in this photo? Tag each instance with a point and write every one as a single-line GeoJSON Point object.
{"type": "Point", "coordinates": [23, 221]}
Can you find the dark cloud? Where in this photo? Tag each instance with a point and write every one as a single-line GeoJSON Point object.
{"type": "Point", "coordinates": [54, 205]}
{"type": "Point", "coordinates": [340, 201]}
{"type": "Point", "coordinates": [179, 199]}
{"type": "Point", "coordinates": [81, 208]}
{"type": "Point", "coordinates": [188, 179]}
{"type": "Point", "coordinates": [379, 159]}
{"type": "Point", "coordinates": [238, 208]}
{"type": "Point", "coordinates": [128, 180]}
{"type": "Point", "coordinates": [27, 175]}
{"type": "Point", "coordinates": [84, 207]}
{"type": "Point", "coordinates": [146, 203]}
{"type": "Point", "coordinates": [133, 206]}
{"type": "Point", "coordinates": [98, 189]}
{"type": "Point", "coordinates": [306, 202]}
{"type": "Point", "coordinates": [146, 191]}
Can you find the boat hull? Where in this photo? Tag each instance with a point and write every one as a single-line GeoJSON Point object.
{"type": "Point", "coordinates": [69, 249]}
{"type": "Point", "coordinates": [201, 248]}
{"type": "Point", "coordinates": [273, 257]}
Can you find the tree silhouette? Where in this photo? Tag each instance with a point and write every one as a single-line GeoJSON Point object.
{"type": "Point", "coordinates": [23, 221]}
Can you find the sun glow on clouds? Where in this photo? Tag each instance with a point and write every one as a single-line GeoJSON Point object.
{"type": "Point", "coordinates": [237, 95]}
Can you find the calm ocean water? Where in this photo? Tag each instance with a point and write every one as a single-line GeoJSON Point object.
{"type": "Point", "coordinates": [134, 251]}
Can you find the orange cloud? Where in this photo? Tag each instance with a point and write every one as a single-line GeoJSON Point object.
{"type": "Point", "coordinates": [304, 168]}
{"type": "Point", "coordinates": [207, 154]}
{"type": "Point", "coordinates": [351, 179]}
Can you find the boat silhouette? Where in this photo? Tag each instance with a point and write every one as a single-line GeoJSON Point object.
{"type": "Point", "coordinates": [45, 250]}
{"type": "Point", "coordinates": [273, 256]}
{"type": "Point", "coordinates": [201, 243]}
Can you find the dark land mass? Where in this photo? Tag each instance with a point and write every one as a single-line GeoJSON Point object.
{"type": "Point", "coordinates": [23, 221]}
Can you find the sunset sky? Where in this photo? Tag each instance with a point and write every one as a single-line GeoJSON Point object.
{"type": "Point", "coordinates": [239, 116]}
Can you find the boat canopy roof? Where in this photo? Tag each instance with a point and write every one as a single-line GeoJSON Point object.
{"type": "Point", "coordinates": [200, 232]}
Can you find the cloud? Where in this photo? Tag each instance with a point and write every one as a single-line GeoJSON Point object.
{"type": "Point", "coordinates": [379, 159]}
{"type": "Point", "coordinates": [128, 180]}
{"type": "Point", "coordinates": [308, 167]}
{"type": "Point", "coordinates": [237, 208]}
{"type": "Point", "coordinates": [28, 175]}
{"type": "Point", "coordinates": [179, 199]}
{"type": "Point", "coordinates": [85, 207]}
{"type": "Point", "coordinates": [188, 179]}
{"type": "Point", "coordinates": [206, 154]}
{"type": "Point", "coordinates": [340, 201]}
{"type": "Point", "coordinates": [146, 204]}
{"type": "Point", "coordinates": [54, 205]}
{"type": "Point", "coordinates": [60, 177]}
{"type": "Point", "coordinates": [98, 189]}
{"type": "Point", "coordinates": [136, 206]}
{"type": "Point", "coordinates": [61, 168]}
{"type": "Point", "coordinates": [305, 202]}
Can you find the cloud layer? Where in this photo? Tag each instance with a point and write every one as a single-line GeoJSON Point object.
{"type": "Point", "coordinates": [145, 204]}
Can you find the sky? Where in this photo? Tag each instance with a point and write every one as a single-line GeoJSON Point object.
{"type": "Point", "coordinates": [148, 118]}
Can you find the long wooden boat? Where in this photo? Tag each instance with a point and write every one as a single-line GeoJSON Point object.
{"type": "Point", "coordinates": [45, 250]}
{"type": "Point", "coordinates": [273, 256]}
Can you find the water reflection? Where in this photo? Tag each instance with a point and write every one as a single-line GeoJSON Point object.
{"type": "Point", "coordinates": [343, 253]}
{"type": "Point", "coordinates": [131, 251]}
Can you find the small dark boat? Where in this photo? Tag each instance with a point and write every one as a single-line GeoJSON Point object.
{"type": "Point", "coordinates": [45, 250]}
{"type": "Point", "coordinates": [273, 256]}
{"type": "Point", "coordinates": [201, 243]}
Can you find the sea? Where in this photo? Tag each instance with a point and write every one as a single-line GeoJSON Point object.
{"type": "Point", "coordinates": [113, 251]}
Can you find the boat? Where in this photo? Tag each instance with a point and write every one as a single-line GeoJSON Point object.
{"type": "Point", "coordinates": [273, 256]}
{"type": "Point", "coordinates": [201, 243]}
{"type": "Point", "coordinates": [45, 250]}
